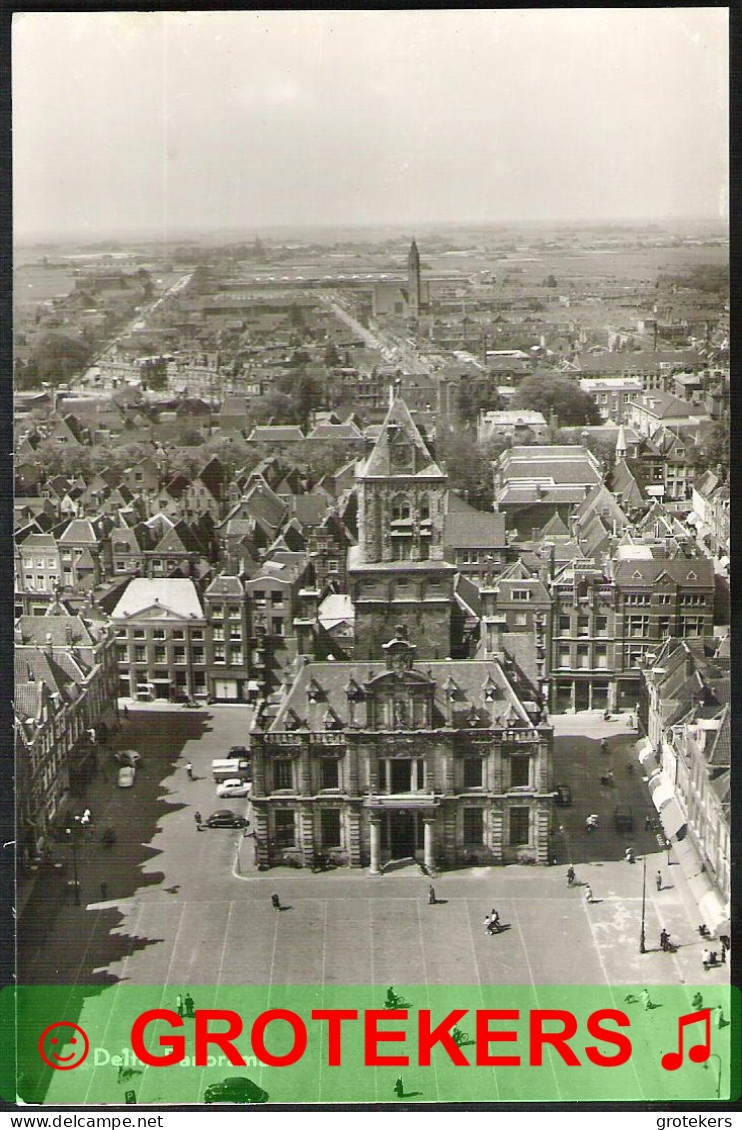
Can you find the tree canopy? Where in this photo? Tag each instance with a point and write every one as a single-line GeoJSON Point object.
{"type": "Point", "coordinates": [546, 394]}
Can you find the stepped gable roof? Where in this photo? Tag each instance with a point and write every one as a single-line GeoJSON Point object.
{"type": "Point", "coordinates": [165, 598]}
{"type": "Point", "coordinates": [465, 529]}
{"type": "Point", "coordinates": [399, 432]}
{"type": "Point", "coordinates": [226, 586]}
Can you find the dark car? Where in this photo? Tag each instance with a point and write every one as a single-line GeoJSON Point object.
{"type": "Point", "coordinates": [225, 818]}
{"type": "Point", "coordinates": [236, 1090]}
{"type": "Point", "coordinates": [239, 751]}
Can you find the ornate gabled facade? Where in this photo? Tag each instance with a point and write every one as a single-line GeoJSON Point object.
{"type": "Point", "coordinates": [397, 572]}
{"type": "Point", "coordinates": [446, 763]}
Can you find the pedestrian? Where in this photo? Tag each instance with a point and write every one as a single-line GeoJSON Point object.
{"type": "Point", "coordinates": [664, 940]}
{"type": "Point", "coordinates": [189, 770]}
{"type": "Point", "coordinates": [179, 1005]}
{"type": "Point", "coordinates": [399, 1088]}
{"type": "Point", "coordinates": [276, 901]}
{"type": "Point", "coordinates": [706, 959]}
{"type": "Point", "coordinates": [431, 895]}
{"type": "Point", "coordinates": [647, 823]}
{"type": "Point", "coordinates": [630, 857]}
{"type": "Point", "coordinates": [392, 1000]}
{"type": "Point", "coordinates": [588, 894]}
{"type": "Point", "coordinates": [119, 1073]}
{"type": "Point", "coordinates": [570, 875]}
{"type": "Point", "coordinates": [197, 818]}
{"type": "Point", "coordinates": [645, 998]}
{"type": "Point", "coordinates": [697, 1002]}
{"type": "Point", "coordinates": [126, 711]}
{"type": "Point", "coordinates": [189, 1005]}
{"type": "Point", "coordinates": [658, 880]}
{"type": "Point", "coordinates": [103, 892]}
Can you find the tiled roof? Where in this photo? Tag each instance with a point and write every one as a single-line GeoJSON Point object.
{"type": "Point", "coordinates": [225, 586]}
{"type": "Point", "coordinates": [80, 531]}
{"type": "Point", "coordinates": [471, 528]}
{"type": "Point", "coordinates": [467, 682]}
{"type": "Point", "coordinates": [276, 433]}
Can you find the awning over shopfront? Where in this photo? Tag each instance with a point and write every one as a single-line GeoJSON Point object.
{"type": "Point", "coordinates": [673, 820]}
{"type": "Point", "coordinates": [646, 755]}
{"type": "Point", "coordinates": [714, 913]}
{"type": "Point", "coordinates": [662, 793]}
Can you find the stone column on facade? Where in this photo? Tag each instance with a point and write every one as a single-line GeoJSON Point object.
{"type": "Point", "coordinates": [429, 843]}
{"type": "Point", "coordinates": [375, 826]}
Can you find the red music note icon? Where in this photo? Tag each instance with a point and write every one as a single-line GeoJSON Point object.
{"type": "Point", "coordinates": [699, 1053]}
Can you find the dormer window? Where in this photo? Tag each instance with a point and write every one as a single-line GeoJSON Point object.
{"type": "Point", "coordinates": [490, 689]}
{"type": "Point", "coordinates": [315, 693]}
{"type": "Point", "coordinates": [331, 720]}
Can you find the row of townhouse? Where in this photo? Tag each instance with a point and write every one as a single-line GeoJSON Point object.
{"type": "Point", "coordinates": [66, 682]}
{"type": "Point", "coordinates": [226, 642]}
{"type": "Point", "coordinates": [688, 758]}
{"type": "Point", "coordinates": [591, 623]}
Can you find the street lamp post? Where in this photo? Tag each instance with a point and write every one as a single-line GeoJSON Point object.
{"type": "Point", "coordinates": [642, 933]}
{"type": "Point", "coordinates": [76, 881]}
{"type": "Point", "coordinates": [717, 1072]}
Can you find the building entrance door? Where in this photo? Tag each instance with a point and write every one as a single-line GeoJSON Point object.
{"type": "Point", "coordinates": [402, 834]}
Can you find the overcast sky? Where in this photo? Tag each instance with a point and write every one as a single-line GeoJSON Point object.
{"type": "Point", "coordinates": [161, 122]}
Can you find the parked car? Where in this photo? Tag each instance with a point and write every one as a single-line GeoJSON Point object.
{"type": "Point", "coordinates": [227, 769]}
{"type": "Point", "coordinates": [234, 787]}
{"type": "Point", "coordinates": [126, 776]}
{"type": "Point", "coordinates": [239, 751]}
{"type": "Point", "coordinates": [128, 757]}
{"type": "Point", "coordinates": [225, 818]}
{"type": "Point", "coordinates": [235, 1090]}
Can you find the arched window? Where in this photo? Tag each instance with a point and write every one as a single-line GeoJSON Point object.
{"type": "Point", "coordinates": [400, 508]}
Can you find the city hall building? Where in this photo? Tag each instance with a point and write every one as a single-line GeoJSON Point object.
{"type": "Point", "coordinates": [442, 762]}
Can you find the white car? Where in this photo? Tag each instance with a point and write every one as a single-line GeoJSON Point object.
{"type": "Point", "coordinates": [126, 776]}
{"type": "Point", "coordinates": [233, 787]}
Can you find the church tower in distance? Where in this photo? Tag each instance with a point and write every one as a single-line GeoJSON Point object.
{"type": "Point", "coordinates": [397, 571]}
{"type": "Point", "coordinates": [414, 293]}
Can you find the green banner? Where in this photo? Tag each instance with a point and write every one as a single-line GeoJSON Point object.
{"type": "Point", "coordinates": [344, 1044]}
